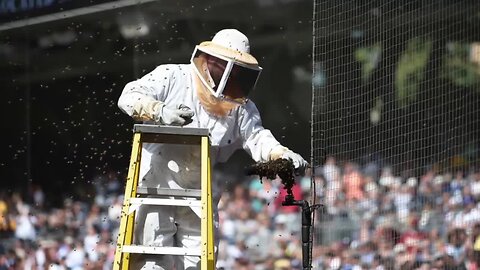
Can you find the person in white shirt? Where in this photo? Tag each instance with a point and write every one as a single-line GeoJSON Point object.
{"type": "Point", "coordinates": [211, 92]}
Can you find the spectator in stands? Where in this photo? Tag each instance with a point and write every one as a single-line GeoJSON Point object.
{"type": "Point", "coordinates": [353, 182]}
{"type": "Point", "coordinates": [292, 215]}
{"type": "Point", "coordinates": [25, 229]}
{"type": "Point", "coordinates": [442, 231]}
{"type": "Point", "coordinates": [456, 245]}
{"type": "Point", "coordinates": [330, 170]}
{"type": "Point", "coordinates": [4, 264]}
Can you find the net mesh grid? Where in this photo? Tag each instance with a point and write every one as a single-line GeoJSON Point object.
{"type": "Point", "coordinates": [396, 93]}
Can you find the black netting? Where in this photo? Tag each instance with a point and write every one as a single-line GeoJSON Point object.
{"type": "Point", "coordinates": [395, 130]}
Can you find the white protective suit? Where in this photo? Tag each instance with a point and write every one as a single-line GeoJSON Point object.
{"type": "Point", "coordinates": [178, 166]}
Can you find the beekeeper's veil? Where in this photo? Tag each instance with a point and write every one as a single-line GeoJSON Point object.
{"type": "Point", "coordinates": [226, 71]}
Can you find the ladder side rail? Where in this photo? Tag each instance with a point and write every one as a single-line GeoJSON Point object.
{"type": "Point", "coordinates": [124, 237]}
{"type": "Point", "coordinates": [207, 257]}
{"type": "Point", "coordinates": [131, 216]}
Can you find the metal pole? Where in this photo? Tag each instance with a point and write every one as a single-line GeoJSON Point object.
{"type": "Point", "coordinates": [306, 225]}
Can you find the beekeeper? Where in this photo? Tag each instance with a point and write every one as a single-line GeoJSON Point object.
{"type": "Point", "coordinates": [211, 92]}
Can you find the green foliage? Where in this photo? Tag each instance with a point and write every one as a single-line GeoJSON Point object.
{"type": "Point", "coordinates": [369, 58]}
{"type": "Point", "coordinates": [457, 67]}
{"type": "Point", "coordinates": [411, 70]}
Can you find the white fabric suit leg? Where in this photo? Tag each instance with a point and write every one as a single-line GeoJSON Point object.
{"type": "Point", "coordinates": [154, 225]}
{"type": "Point", "coordinates": [189, 236]}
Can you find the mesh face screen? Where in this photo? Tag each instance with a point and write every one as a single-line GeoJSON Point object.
{"type": "Point", "coordinates": [228, 79]}
{"type": "Point", "coordinates": [241, 82]}
{"type": "Point", "coordinates": [216, 68]}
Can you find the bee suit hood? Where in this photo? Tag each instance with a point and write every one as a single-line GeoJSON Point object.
{"type": "Point", "coordinates": [225, 71]}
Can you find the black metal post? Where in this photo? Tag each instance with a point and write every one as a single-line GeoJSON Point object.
{"type": "Point", "coordinates": [306, 225]}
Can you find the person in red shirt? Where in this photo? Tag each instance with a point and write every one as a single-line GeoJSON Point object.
{"type": "Point", "coordinates": [292, 214]}
{"type": "Point", "coordinates": [297, 194]}
{"type": "Point", "coordinates": [412, 238]}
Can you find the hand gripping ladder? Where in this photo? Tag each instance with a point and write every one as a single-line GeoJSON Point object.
{"type": "Point", "coordinates": [135, 195]}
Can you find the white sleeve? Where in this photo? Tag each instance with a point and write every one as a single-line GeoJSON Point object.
{"type": "Point", "coordinates": [141, 99]}
{"type": "Point", "coordinates": [256, 140]}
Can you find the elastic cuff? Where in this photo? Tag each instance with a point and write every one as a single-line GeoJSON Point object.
{"type": "Point", "coordinates": [158, 109]}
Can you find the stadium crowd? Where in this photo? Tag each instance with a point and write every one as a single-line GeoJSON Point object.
{"type": "Point", "coordinates": [372, 219]}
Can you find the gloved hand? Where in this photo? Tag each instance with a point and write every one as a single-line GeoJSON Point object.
{"type": "Point", "coordinates": [299, 163]}
{"type": "Point", "coordinates": [180, 116]}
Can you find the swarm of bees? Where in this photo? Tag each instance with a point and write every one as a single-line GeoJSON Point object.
{"type": "Point", "coordinates": [270, 169]}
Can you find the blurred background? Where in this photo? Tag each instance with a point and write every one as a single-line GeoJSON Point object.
{"type": "Point", "coordinates": [382, 96]}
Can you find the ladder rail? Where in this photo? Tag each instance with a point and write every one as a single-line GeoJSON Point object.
{"type": "Point", "coordinates": [207, 258]}
{"type": "Point", "coordinates": [132, 181]}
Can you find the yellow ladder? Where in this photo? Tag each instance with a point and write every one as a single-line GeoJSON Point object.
{"type": "Point", "coordinates": [135, 196]}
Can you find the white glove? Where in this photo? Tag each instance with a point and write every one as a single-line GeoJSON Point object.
{"type": "Point", "coordinates": [180, 116]}
{"type": "Point", "coordinates": [299, 163]}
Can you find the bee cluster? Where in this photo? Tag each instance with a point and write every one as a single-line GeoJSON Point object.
{"type": "Point", "coordinates": [282, 167]}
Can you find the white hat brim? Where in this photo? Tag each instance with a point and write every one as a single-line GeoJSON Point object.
{"type": "Point", "coordinates": [239, 56]}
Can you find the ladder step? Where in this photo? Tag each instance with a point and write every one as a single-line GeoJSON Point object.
{"type": "Point", "coordinates": [172, 130]}
{"type": "Point", "coordinates": [172, 202]}
{"type": "Point", "coordinates": [161, 250]}
{"type": "Point", "coordinates": [194, 193]}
